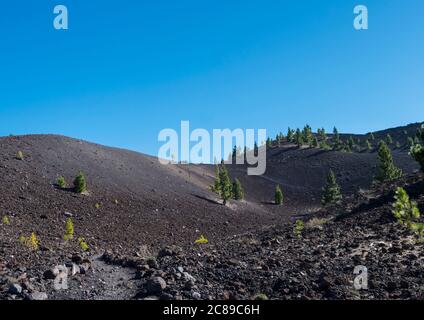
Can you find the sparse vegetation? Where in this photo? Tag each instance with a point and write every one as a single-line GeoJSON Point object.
{"type": "Point", "coordinates": [69, 230]}
{"type": "Point", "coordinates": [5, 220]}
{"type": "Point", "coordinates": [331, 192]}
{"type": "Point", "coordinates": [83, 245]}
{"type": "Point", "coordinates": [31, 242]}
{"type": "Point", "coordinates": [238, 193]}
{"type": "Point", "coordinates": [387, 171]}
{"type": "Point", "coordinates": [405, 210]}
{"type": "Point", "coordinates": [261, 297]}
{"type": "Point", "coordinates": [368, 144]}
{"type": "Point", "coordinates": [201, 240]}
{"type": "Point", "coordinates": [61, 182]}
{"type": "Point", "coordinates": [80, 184]}
{"type": "Point", "coordinates": [407, 213]}
{"type": "Point", "coordinates": [417, 149]}
{"type": "Point", "coordinates": [316, 223]}
{"type": "Point", "coordinates": [97, 206]}
{"type": "Point", "coordinates": [278, 197]}
{"type": "Point", "coordinates": [20, 155]}
{"type": "Point", "coordinates": [298, 228]}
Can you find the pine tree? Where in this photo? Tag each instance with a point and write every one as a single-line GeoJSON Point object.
{"type": "Point", "coordinates": [290, 135]}
{"type": "Point", "coordinates": [321, 134]}
{"type": "Point", "coordinates": [417, 149]}
{"type": "Point", "coordinates": [298, 138]}
{"type": "Point", "coordinates": [337, 144]}
{"type": "Point", "coordinates": [331, 192]}
{"type": "Point", "coordinates": [255, 149]}
{"type": "Point", "coordinates": [222, 185]}
{"type": "Point", "coordinates": [369, 146]}
{"type": "Point", "coordinates": [269, 142]}
{"type": "Point", "coordinates": [351, 143]}
{"type": "Point", "coordinates": [238, 193]}
{"type": "Point", "coordinates": [80, 184]}
{"type": "Point", "coordinates": [387, 171]}
{"type": "Point", "coordinates": [234, 155]}
{"type": "Point", "coordinates": [389, 139]}
{"type": "Point", "coordinates": [216, 184]}
{"type": "Point", "coordinates": [315, 143]}
{"type": "Point", "coordinates": [278, 197]}
{"type": "Point", "coordinates": [307, 136]}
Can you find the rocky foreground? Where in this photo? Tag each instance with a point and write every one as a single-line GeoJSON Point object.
{"type": "Point", "coordinates": [271, 264]}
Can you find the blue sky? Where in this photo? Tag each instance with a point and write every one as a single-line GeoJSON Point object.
{"type": "Point", "coordinates": [127, 69]}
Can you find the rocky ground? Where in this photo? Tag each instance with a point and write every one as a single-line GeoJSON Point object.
{"type": "Point", "coordinates": [269, 264]}
{"type": "Point", "coordinates": [140, 220]}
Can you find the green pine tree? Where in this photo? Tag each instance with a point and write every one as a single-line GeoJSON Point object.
{"type": "Point", "coordinates": [223, 186]}
{"type": "Point", "coordinates": [290, 135]}
{"type": "Point", "coordinates": [369, 146]}
{"type": "Point", "coordinates": [80, 184]}
{"type": "Point", "coordinates": [417, 149]}
{"type": "Point", "coordinates": [298, 138]}
{"type": "Point", "coordinates": [331, 192]}
{"type": "Point", "coordinates": [387, 171]}
{"type": "Point", "coordinates": [351, 143]}
{"type": "Point", "coordinates": [238, 193]}
{"type": "Point", "coordinates": [389, 139]}
{"type": "Point", "coordinates": [278, 197]}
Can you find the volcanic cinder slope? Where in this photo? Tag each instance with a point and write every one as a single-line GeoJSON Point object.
{"type": "Point", "coordinates": [134, 201]}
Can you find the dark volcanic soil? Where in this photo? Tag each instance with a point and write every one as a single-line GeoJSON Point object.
{"type": "Point", "coordinates": [135, 207]}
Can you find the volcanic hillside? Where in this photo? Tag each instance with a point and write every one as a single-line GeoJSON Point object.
{"type": "Point", "coordinates": [135, 206]}
{"type": "Point", "coordinates": [132, 198]}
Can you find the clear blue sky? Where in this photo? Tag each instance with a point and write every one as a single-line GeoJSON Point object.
{"type": "Point", "coordinates": [127, 69]}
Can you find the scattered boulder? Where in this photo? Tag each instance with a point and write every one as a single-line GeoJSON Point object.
{"type": "Point", "coordinates": [15, 288]}
{"type": "Point", "coordinates": [155, 285]}
{"type": "Point", "coordinates": [37, 296]}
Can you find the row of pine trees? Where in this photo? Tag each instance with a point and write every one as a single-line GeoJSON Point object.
{"type": "Point", "coordinates": [387, 170]}
{"type": "Point", "coordinates": [322, 140]}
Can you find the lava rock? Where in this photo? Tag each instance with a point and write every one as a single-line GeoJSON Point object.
{"type": "Point", "coordinates": [155, 285]}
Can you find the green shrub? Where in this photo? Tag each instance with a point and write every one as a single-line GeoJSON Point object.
{"type": "Point", "coordinates": [201, 240]}
{"type": "Point", "coordinates": [261, 297]}
{"type": "Point", "coordinates": [298, 228]}
{"type": "Point", "coordinates": [405, 210]}
{"type": "Point", "coordinates": [5, 220]}
{"type": "Point", "coordinates": [69, 230]}
{"type": "Point", "coordinates": [31, 242]}
{"type": "Point", "coordinates": [61, 182]}
{"type": "Point", "coordinates": [278, 196]}
{"type": "Point", "coordinates": [83, 245]}
{"type": "Point", "coordinates": [80, 184]}
{"type": "Point", "coordinates": [20, 155]}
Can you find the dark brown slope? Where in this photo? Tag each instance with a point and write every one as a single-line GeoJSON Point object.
{"type": "Point", "coordinates": [160, 204]}
{"type": "Point", "coordinates": [156, 204]}
{"type": "Point", "coordinates": [302, 173]}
